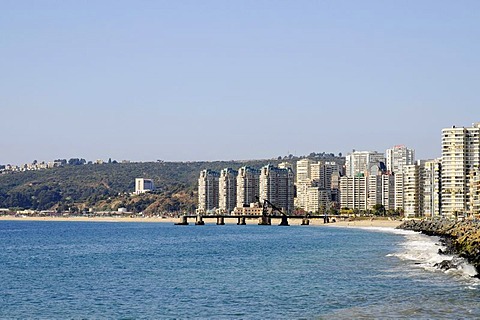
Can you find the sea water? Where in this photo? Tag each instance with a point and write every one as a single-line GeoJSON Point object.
{"type": "Point", "coordinates": [95, 270]}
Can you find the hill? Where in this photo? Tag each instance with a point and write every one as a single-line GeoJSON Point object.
{"type": "Point", "coordinates": [109, 186]}
{"type": "Point", "coordinates": [77, 186]}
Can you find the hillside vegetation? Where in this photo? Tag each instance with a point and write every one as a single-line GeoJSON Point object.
{"type": "Point", "coordinates": [109, 186]}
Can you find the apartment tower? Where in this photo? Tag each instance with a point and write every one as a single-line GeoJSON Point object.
{"type": "Point", "coordinates": [208, 190]}
{"type": "Point", "coordinates": [277, 186]}
{"type": "Point", "coordinates": [460, 170]}
{"type": "Point", "coordinates": [227, 190]}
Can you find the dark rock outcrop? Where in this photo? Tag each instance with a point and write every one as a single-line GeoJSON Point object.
{"type": "Point", "coordinates": [459, 237]}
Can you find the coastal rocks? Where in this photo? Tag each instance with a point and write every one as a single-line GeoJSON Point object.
{"type": "Point", "coordinates": [459, 237]}
{"type": "Point", "coordinates": [449, 264]}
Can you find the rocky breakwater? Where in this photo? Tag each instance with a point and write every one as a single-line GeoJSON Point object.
{"type": "Point", "coordinates": [461, 238]}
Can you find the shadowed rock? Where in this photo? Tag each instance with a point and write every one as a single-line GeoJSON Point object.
{"type": "Point", "coordinates": [459, 237]}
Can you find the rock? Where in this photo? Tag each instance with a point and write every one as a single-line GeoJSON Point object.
{"type": "Point", "coordinates": [446, 265]}
{"type": "Point", "coordinates": [459, 237]}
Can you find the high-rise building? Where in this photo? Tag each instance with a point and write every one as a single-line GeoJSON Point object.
{"type": "Point", "coordinates": [460, 168]}
{"type": "Point", "coordinates": [277, 186]}
{"type": "Point", "coordinates": [143, 185]}
{"type": "Point", "coordinates": [430, 172]}
{"type": "Point", "coordinates": [318, 200]}
{"type": "Point", "coordinates": [381, 190]}
{"type": "Point", "coordinates": [412, 186]}
{"type": "Point", "coordinates": [303, 182]}
{"type": "Point", "coordinates": [304, 170]}
{"type": "Point", "coordinates": [227, 190]}
{"type": "Point", "coordinates": [399, 191]}
{"type": "Point", "coordinates": [364, 162]}
{"type": "Point", "coordinates": [316, 181]}
{"type": "Point", "coordinates": [353, 192]}
{"type": "Point", "coordinates": [399, 157]}
{"type": "Point", "coordinates": [248, 186]}
{"type": "Point", "coordinates": [322, 172]}
{"type": "Point", "coordinates": [208, 191]}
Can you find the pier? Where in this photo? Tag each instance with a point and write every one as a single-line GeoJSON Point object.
{"type": "Point", "coordinates": [263, 220]}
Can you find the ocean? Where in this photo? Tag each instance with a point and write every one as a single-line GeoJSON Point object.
{"type": "Point", "coordinates": [98, 270]}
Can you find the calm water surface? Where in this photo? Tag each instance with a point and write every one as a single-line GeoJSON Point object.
{"type": "Point", "coordinates": [94, 270]}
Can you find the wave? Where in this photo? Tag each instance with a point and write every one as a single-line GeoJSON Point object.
{"type": "Point", "coordinates": [423, 251]}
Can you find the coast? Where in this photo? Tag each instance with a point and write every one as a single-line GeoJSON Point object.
{"type": "Point", "coordinates": [354, 223]}
{"type": "Point", "coordinates": [461, 238]}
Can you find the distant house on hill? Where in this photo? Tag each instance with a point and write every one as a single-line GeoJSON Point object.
{"type": "Point", "coordinates": [143, 185]}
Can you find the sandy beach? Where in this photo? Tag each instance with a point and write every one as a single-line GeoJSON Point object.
{"type": "Point", "coordinates": [315, 222]}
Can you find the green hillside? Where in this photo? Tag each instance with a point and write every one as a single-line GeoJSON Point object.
{"type": "Point", "coordinates": [109, 186]}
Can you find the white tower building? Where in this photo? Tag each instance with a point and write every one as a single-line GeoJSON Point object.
{"type": "Point", "coordinates": [207, 190]}
{"type": "Point", "coordinates": [227, 190]}
{"type": "Point", "coordinates": [277, 186]}
{"type": "Point", "coordinates": [398, 157]}
{"type": "Point", "coordinates": [460, 170]}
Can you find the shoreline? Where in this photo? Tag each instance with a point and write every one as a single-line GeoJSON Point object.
{"type": "Point", "coordinates": [461, 238]}
{"type": "Point", "coordinates": [382, 223]}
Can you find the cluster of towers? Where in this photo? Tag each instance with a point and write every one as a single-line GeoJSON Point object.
{"type": "Point", "coordinates": [363, 180]}
{"type": "Point", "coordinates": [240, 191]}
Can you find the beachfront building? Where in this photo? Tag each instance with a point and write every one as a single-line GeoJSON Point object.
{"type": "Point", "coordinates": [430, 173]}
{"type": "Point", "coordinates": [362, 162]}
{"type": "Point", "coordinates": [277, 186]}
{"type": "Point", "coordinates": [353, 192]}
{"type": "Point", "coordinates": [317, 184]}
{"type": "Point", "coordinates": [412, 187]}
{"type": "Point", "coordinates": [399, 191]}
{"type": "Point", "coordinates": [248, 185]}
{"type": "Point", "coordinates": [381, 190]}
{"type": "Point", "coordinates": [398, 157]}
{"type": "Point", "coordinates": [303, 182]}
{"type": "Point", "coordinates": [227, 190]}
{"type": "Point", "coordinates": [474, 190]}
{"type": "Point", "coordinates": [143, 185]}
{"type": "Point", "coordinates": [460, 168]}
{"type": "Point", "coordinates": [304, 169]}
{"type": "Point", "coordinates": [322, 173]}
{"type": "Point", "coordinates": [208, 191]}
{"type": "Point", "coordinates": [318, 200]}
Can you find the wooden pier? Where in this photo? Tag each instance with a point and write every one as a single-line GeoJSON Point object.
{"type": "Point", "coordinates": [263, 220]}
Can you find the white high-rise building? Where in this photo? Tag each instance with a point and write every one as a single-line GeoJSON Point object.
{"type": "Point", "coordinates": [318, 200]}
{"type": "Point", "coordinates": [431, 175]}
{"type": "Point", "coordinates": [143, 185]}
{"type": "Point", "coordinates": [277, 186]}
{"type": "Point", "coordinates": [411, 190]}
{"type": "Point", "coordinates": [314, 183]}
{"type": "Point", "coordinates": [399, 191]}
{"type": "Point", "coordinates": [398, 157]}
{"type": "Point", "coordinates": [381, 190]}
{"type": "Point", "coordinates": [207, 191]}
{"type": "Point", "coordinates": [363, 162]}
{"type": "Point", "coordinates": [353, 192]}
{"type": "Point", "coordinates": [460, 168]}
{"type": "Point", "coordinates": [322, 172]}
{"type": "Point", "coordinates": [248, 186]}
{"type": "Point", "coordinates": [304, 170]}
{"type": "Point", "coordinates": [227, 190]}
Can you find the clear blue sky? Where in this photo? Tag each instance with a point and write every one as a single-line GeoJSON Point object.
{"type": "Point", "coordinates": [224, 80]}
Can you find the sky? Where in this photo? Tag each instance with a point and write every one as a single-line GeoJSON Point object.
{"type": "Point", "coordinates": [233, 80]}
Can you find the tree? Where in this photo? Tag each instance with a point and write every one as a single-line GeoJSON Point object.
{"type": "Point", "coordinates": [379, 209]}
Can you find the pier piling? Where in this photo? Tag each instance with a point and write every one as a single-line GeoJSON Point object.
{"type": "Point", "coordinates": [284, 221]}
{"type": "Point", "coordinates": [264, 221]}
{"type": "Point", "coordinates": [183, 221]}
{"type": "Point", "coordinates": [200, 221]}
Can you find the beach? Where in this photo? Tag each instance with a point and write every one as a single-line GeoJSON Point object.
{"type": "Point", "coordinates": [359, 223]}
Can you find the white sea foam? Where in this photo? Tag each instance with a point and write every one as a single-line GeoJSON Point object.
{"type": "Point", "coordinates": [423, 250]}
